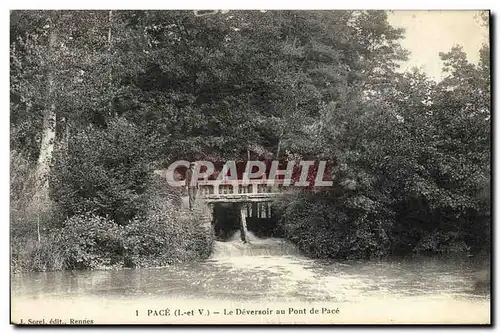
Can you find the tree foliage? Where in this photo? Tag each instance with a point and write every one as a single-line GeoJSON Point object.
{"type": "Point", "coordinates": [135, 90]}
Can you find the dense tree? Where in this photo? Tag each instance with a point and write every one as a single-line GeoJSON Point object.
{"type": "Point", "coordinates": [416, 161]}
{"type": "Point", "coordinates": [411, 156]}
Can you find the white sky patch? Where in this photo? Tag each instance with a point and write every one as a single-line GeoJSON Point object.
{"type": "Point", "coordinates": [431, 32]}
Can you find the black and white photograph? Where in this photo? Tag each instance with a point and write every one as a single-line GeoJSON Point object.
{"type": "Point", "coordinates": [229, 166]}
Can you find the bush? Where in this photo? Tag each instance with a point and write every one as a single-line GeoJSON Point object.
{"type": "Point", "coordinates": [347, 227]}
{"type": "Point", "coordinates": [31, 255]}
{"type": "Point", "coordinates": [104, 171]}
{"type": "Point", "coordinates": [399, 214]}
{"type": "Point", "coordinates": [27, 208]}
{"type": "Point", "coordinates": [33, 247]}
{"type": "Point", "coordinates": [442, 242]}
{"type": "Point", "coordinates": [166, 236]}
{"type": "Point", "coordinates": [89, 242]}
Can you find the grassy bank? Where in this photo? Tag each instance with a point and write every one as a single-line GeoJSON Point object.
{"type": "Point", "coordinates": [88, 241]}
{"type": "Point", "coordinates": [92, 242]}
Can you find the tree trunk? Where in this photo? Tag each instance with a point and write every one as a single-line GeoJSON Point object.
{"type": "Point", "coordinates": [110, 20]}
{"type": "Point", "coordinates": [66, 134]}
{"type": "Point", "coordinates": [278, 149]}
{"type": "Point", "coordinates": [49, 127]}
{"type": "Point", "coordinates": [38, 229]}
{"type": "Point", "coordinates": [40, 201]}
{"type": "Point", "coordinates": [109, 28]}
{"type": "Point", "coordinates": [279, 145]}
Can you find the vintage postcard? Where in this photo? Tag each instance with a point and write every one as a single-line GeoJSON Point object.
{"type": "Point", "coordinates": [250, 167]}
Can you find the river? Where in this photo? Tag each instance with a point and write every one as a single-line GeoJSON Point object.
{"type": "Point", "coordinates": [268, 273]}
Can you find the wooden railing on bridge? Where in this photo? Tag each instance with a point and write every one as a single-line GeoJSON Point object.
{"type": "Point", "coordinates": [253, 190]}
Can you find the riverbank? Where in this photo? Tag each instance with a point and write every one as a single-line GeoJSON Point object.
{"type": "Point", "coordinates": [166, 236]}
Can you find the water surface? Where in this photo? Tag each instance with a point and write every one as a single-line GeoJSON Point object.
{"type": "Point", "coordinates": [265, 272]}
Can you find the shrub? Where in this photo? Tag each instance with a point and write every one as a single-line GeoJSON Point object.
{"type": "Point", "coordinates": [105, 171]}
{"type": "Point", "coordinates": [166, 236]}
{"type": "Point", "coordinates": [89, 241]}
{"type": "Point", "coordinates": [345, 227]}
{"type": "Point", "coordinates": [33, 247]}
{"type": "Point", "coordinates": [31, 255]}
{"type": "Point", "coordinates": [27, 208]}
{"type": "Point", "coordinates": [442, 242]}
{"type": "Point", "coordinates": [195, 226]}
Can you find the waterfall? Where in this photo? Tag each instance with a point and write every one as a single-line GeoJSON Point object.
{"type": "Point", "coordinates": [256, 246]}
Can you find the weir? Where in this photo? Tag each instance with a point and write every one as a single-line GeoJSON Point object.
{"type": "Point", "coordinates": [248, 202]}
